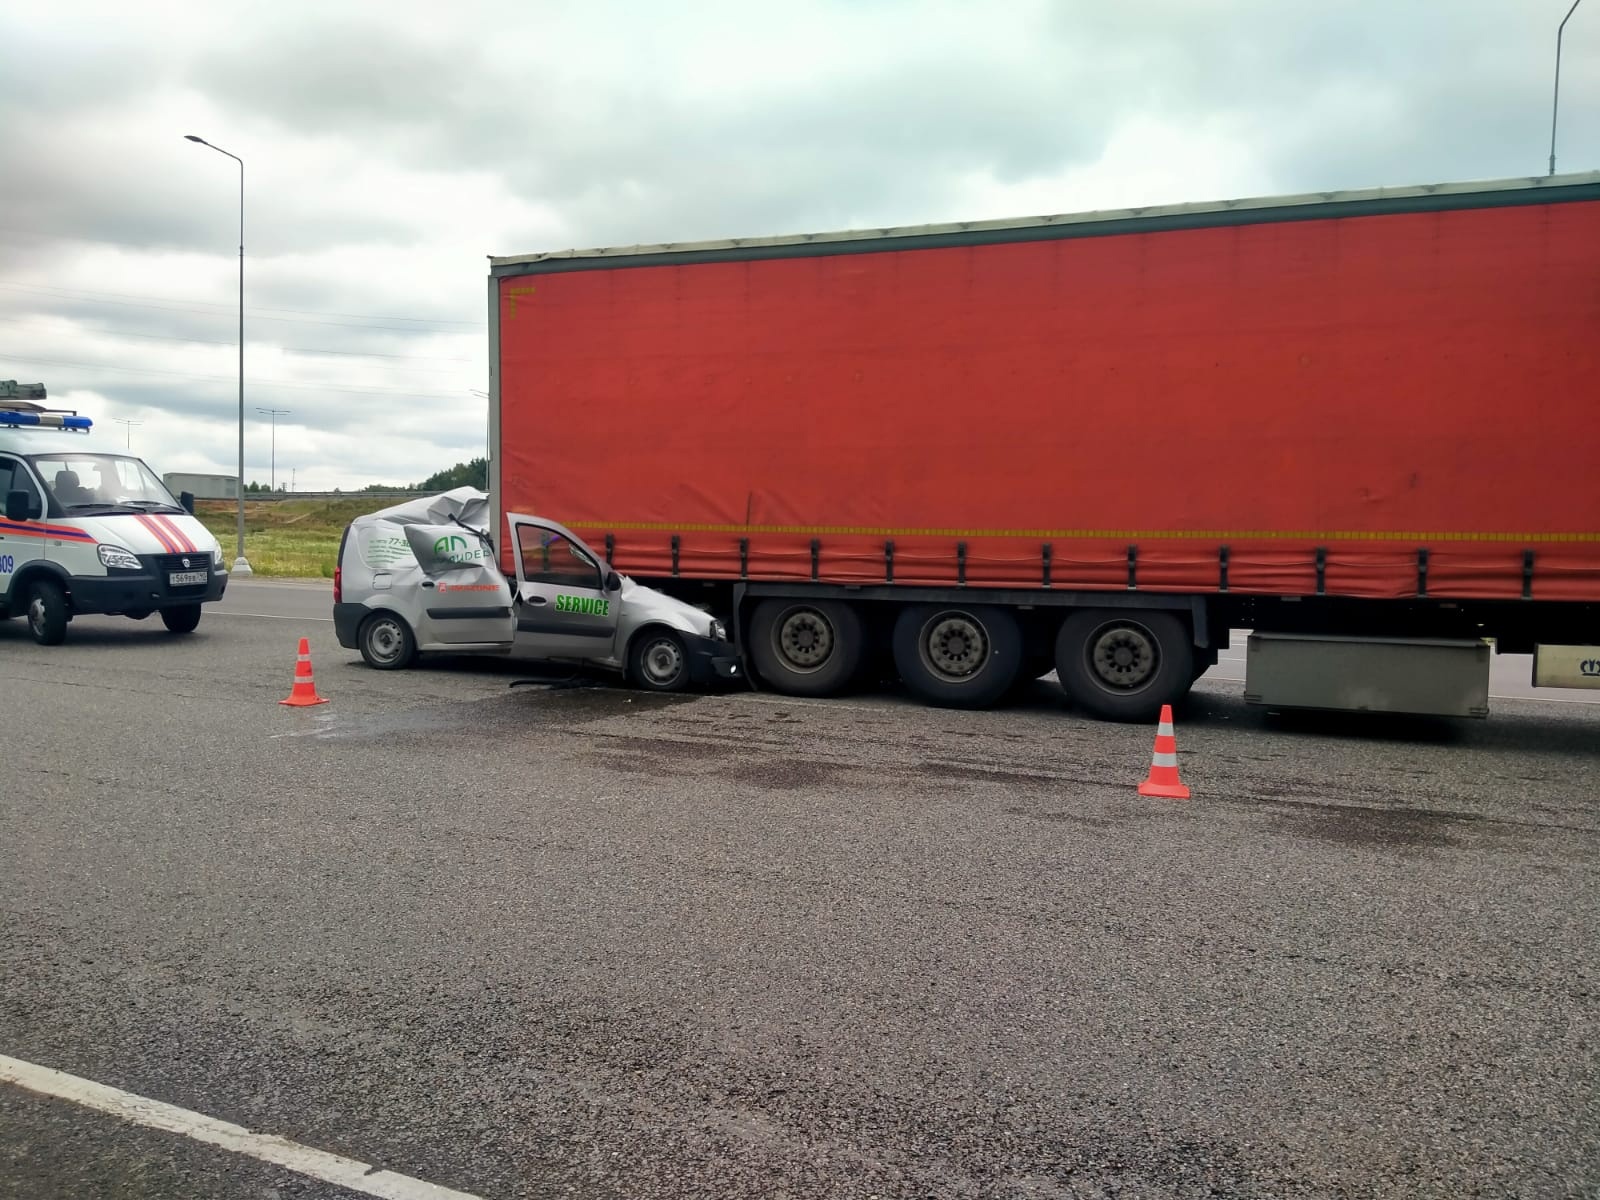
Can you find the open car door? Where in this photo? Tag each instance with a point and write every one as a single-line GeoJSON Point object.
{"type": "Point", "coordinates": [466, 601]}
{"type": "Point", "coordinates": [569, 601]}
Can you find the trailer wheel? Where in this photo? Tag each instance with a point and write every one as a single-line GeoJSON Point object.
{"type": "Point", "coordinates": [806, 647]}
{"type": "Point", "coordinates": [958, 657]}
{"type": "Point", "coordinates": [1124, 665]}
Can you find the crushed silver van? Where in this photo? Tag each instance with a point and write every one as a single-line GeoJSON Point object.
{"type": "Point", "coordinates": [425, 576]}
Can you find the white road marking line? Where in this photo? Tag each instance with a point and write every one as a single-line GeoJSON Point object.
{"type": "Point", "coordinates": [153, 1114]}
{"type": "Point", "coordinates": [1538, 699]}
{"type": "Point", "coordinates": [224, 612]}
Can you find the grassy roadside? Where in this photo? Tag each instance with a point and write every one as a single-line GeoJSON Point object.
{"type": "Point", "coordinates": [293, 538]}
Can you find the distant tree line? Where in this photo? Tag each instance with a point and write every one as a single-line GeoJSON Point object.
{"type": "Point", "coordinates": [473, 473]}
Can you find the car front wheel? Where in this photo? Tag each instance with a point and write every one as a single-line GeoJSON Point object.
{"type": "Point", "coordinates": [658, 662]}
{"type": "Point", "coordinates": [47, 612]}
{"type": "Point", "coordinates": [181, 620]}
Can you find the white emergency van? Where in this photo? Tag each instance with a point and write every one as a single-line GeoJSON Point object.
{"type": "Point", "coordinates": [88, 530]}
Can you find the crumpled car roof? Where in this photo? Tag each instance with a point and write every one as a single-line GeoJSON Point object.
{"type": "Point", "coordinates": [467, 504]}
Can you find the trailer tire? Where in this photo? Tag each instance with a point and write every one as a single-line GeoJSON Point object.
{"type": "Point", "coordinates": [806, 647]}
{"type": "Point", "coordinates": [1124, 664]}
{"type": "Point", "coordinates": [958, 656]}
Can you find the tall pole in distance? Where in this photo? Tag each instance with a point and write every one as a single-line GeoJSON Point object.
{"type": "Point", "coordinates": [127, 424]}
{"type": "Point", "coordinates": [241, 565]}
{"type": "Point", "coordinates": [1556, 99]}
{"type": "Point", "coordinates": [274, 413]}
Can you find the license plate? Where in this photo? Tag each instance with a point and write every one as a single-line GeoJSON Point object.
{"type": "Point", "coordinates": [187, 578]}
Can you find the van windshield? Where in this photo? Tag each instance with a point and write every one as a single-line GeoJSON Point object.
{"type": "Point", "coordinates": [104, 482]}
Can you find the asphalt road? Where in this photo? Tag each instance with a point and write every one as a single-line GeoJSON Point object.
{"type": "Point", "coordinates": [580, 941]}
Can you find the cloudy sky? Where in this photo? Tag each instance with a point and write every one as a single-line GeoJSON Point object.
{"type": "Point", "coordinates": [390, 147]}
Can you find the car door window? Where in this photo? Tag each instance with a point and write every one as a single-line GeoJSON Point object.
{"type": "Point", "coordinates": [15, 477]}
{"type": "Point", "coordinates": [548, 557]}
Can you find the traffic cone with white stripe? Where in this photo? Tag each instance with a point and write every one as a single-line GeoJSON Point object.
{"type": "Point", "coordinates": [1163, 779]}
{"type": "Point", "coordinates": [305, 684]}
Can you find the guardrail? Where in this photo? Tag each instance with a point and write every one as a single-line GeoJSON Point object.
{"type": "Point", "coordinates": [270, 497]}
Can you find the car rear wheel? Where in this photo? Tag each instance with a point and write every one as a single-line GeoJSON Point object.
{"type": "Point", "coordinates": [386, 642]}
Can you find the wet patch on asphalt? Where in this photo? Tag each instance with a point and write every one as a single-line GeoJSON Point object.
{"type": "Point", "coordinates": [727, 759]}
{"type": "Point", "coordinates": [1389, 828]}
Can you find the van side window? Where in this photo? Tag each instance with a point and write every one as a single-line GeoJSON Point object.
{"type": "Point", "coordinates": [14, 477]}
{"type": "Point", "coordinates": [547, 557]}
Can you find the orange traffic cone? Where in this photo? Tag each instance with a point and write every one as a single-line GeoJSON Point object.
{"type": "Point", "coordinates": [305, 685]}
{"type": "Point", "coordinates": [1163, 779]}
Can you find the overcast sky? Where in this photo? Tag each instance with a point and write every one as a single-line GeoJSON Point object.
{"type": "Point", "coordinates": [390, 147]}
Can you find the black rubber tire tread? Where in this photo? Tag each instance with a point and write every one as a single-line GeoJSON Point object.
{"type": "Point", "coordinates": [1173, 677]}
{"type": "Point", "coordinates": [181, 620]}
{"type": "Point", "coordinates": [408, 641]}
{"type": "Point", "coordinates": [636, 673]}
{"type": "Point", "coordinates": [835, 675]}
{"type": "Point", "coordinates": [52, 631]}
{"type": "Point", "coordinates": [994, 679]}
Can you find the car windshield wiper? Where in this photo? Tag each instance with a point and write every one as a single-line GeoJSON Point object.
{"type": "Point", "coordinates": [103, 508]}
{"type": "Point", "coordinates": [150, 505]}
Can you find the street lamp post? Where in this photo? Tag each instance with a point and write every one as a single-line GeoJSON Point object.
{"type": "Point", "coordinates": [241, 565]}
{"type": "Point", "coordinates": [1555, 100]}
{"type": "Point", "coordinates": [128, 424]}
{"type": "Point", "coordinates": [274, 413]}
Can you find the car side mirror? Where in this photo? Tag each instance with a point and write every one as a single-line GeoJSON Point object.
{"type": "Point", "coordinates": [187, 500]}
{"type": "Point", "coordinates": [16, 505]}
{"type": "Point", "coordinates": [613, 582]}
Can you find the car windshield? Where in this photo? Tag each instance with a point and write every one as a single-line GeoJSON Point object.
{"type": "Point", "coordinates": [80, 481]}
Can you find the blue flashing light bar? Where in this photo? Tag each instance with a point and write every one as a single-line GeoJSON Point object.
{"type": "Point", "coordinates": [46, 420]}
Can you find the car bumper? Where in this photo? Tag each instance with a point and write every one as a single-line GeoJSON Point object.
{"type": "Point", "coordinates": [139, 592]}
{"type": "Point", "coordinates": [710, 660]}
{"type": "Point", "coordinates": [347, 623]}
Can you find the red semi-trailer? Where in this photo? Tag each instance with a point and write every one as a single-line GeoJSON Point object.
{"type": "Point", "coordinates": [1361, 425]}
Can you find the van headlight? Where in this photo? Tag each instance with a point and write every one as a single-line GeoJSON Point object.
{"type": "Point", "coordinates": [118, 558]}
{"type": "Point", "coordinates": [719, 632]}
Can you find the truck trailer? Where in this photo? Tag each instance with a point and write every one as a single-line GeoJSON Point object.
{"type": "Point", "coordinates": [1359, 425]}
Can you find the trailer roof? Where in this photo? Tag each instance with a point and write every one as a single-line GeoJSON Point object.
{"type": "Point", "coordinates": [1255, 210]}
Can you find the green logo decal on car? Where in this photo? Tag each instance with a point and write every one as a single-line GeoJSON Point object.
{"type": "Point", "coordinates": [454, 548]}
{"type": "Point", "coordinates": [589, 605]}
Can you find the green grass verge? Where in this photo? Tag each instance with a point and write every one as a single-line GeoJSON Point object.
{"type": "Point", "coordinates": [290, 538]}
